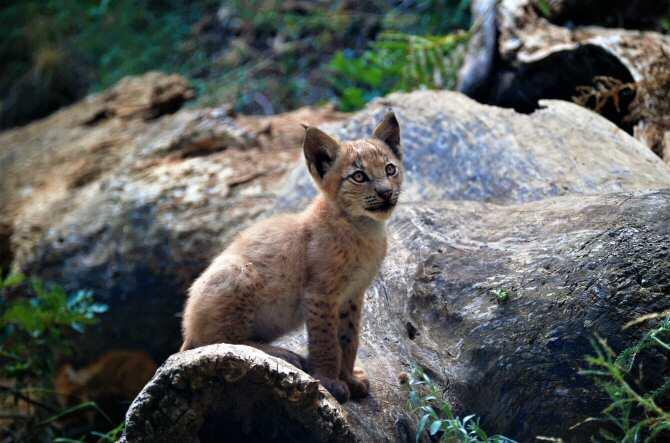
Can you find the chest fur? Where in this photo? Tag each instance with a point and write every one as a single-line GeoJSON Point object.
{"type": "Point", "coordinates": [364, 262]}
{"type": "Point", "coordinates": [346, 263]}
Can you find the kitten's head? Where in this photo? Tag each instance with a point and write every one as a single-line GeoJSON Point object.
{"type": "Point", "coordinates": [362, 177]}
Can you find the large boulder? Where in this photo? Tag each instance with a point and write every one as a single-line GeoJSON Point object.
{"type": "Point", "coordinates": [121, 195]}
{"type": "Point", "coordinates": [492, 201]}
{"type": "Point", "coordinates": [532, 204]}
{"type": "Point", "coordinates": [559, 207]}
{"type": "Point", "coordinates": [458, 149]}
{"type": "Point", "coordinates": [574, 266]}
{"type": "Point", "coordinates": [135, 209]}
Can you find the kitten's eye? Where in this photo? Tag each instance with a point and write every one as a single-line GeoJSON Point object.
{"type": "Point", "coordinates": [390, 170]}
{"type": "Point", "coordinates": [359, 177]}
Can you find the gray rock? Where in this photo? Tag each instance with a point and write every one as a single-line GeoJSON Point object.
{"type": "Point", "coordinates": [457, 149]}
{"type": "Point", "coordinates": [559, 207]}
{"type": "Point", "coordinates": [138, 209]}
{"type": "Point", "coordinates": [574, 266]}
{"type": "Point", "coordinates": [102, 196]}
{"type": "Point", "coordinates": [141, 231]}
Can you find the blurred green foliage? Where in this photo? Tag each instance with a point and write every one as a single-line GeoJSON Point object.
{"type": "Point", "coordinates": [263, 56]}
{"type": "Point", "coordinates": [398, 62]}
{"type": "Point", "coordinates": [282, 58]}
{"type": "Point", "coordinates": [112, 436]}
{"type": "Point", "coordinates": [55, 51]}
{"type": "Point", "coordinates": [544, 7]}
{"type": "Point", "coordinates": [112, 38]}
{"type": "Point", "coordinates": [34, 328]}
{"type": "Point", "coordinates": [37, 326]}
{"type": "Point", "coordinates": [665, 23]}
{"type": "Point", "coordinates": [271, 54]}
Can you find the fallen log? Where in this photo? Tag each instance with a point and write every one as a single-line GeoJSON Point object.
{"type": "Point", "coordinates": [574, 266]}
{"type": "Point", "coordinates": [522, 54]}
{"type": "Point", "coordinates": [234, 393]}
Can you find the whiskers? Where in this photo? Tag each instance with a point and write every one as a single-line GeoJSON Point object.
{"type": "Point", "coordinates": [377, 204]}
{"type": "Point", "coordinates": [386, 206]}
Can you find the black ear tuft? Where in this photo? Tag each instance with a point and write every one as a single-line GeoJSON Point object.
{"type": "Point", "coordinates": [388, 131]}
{"type": "Point", "coordinates": [320, 152]}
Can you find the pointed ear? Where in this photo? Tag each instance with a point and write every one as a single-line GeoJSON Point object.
{"type": "Point", "coordinates": [320, 152]}
{"type": "Point", "coordinates": [388, 131]}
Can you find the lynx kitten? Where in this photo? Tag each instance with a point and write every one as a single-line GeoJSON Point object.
{"type": "Point", "coordinates": [311, 267]}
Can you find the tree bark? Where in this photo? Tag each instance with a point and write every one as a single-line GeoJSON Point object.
{"type": "Point", "coordinates": [234, 393]}
{"type": "Point", "coordinates": [542, 56]}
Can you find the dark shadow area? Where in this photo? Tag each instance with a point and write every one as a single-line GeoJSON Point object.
{"type": "Point", "coordinates": [6, 255]}
{"type": "Point", "coordinates": [136, 285]}
{"type": "Point", "coordinates": [628, 14]}
{"type": "Point", "coordinates": [259, 423]}
{"type": "Point", "coordinates": [41, 91]}
{"type": "Point", "coordinates": [170, 106]}
{"type": "Point", "coordinates": [555, 77]}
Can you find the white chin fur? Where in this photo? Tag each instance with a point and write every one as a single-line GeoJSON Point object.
{"type": "Point", "coordinates": [380, 215]}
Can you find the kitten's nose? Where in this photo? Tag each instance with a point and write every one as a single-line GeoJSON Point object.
{"type": "Point", "coordinates": [384, 193]}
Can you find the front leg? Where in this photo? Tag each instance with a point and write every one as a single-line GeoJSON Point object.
{"type": "Point", "coordinates": [348, 334]}
{"type": "Point", "coordinates": [325, 355]}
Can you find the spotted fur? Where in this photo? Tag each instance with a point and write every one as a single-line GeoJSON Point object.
{"type": "Point", "coordinates": [312, 267]}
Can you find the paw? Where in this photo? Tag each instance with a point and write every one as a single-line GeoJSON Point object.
{"type": "Point", "coordinates": [337, 388]}
{"type": "Point", "coordinates": [358, 383]}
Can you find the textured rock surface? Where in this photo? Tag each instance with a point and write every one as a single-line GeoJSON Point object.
{"type": "Point", "coordinates": [559, 207]}
{"type": "Point", "coordinates": [133, 209]}
{"type": "Point", "coordinates": [457, 149]}
{"type": "Point", "coordinates": [237, 392]}
{"type": "Point", "coordinates": [520, 57]}
{"type": "Point", "coordinates": [574, 266]}
{"type": "Point", "coordinates": [149, 96]}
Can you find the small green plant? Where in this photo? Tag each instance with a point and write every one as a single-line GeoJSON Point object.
{"type": "Point", "coordinates": [398, 62]}
{"type": "Point", "coordinates": [34, 328]}
{"type": "Point", "coordinates": [502, 295]}
{"type": "Point", "coordinates": [37, 325]}
{"type": "Point", "coordinates": [544, 7]}
{"type": "Point", "coordinates": [112, 436]}
{"type": "Point", "coordinates": [435, 414]}
{"type": "Point", "coordinates": [634, 414]}
{"type": "Point", "coordinates": [665, 24]}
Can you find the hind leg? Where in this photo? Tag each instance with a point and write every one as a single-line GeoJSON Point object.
{"type": "Point", "coordinates": [221, 309]}
{"type": "Point", "coordinates": [221, 304]}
